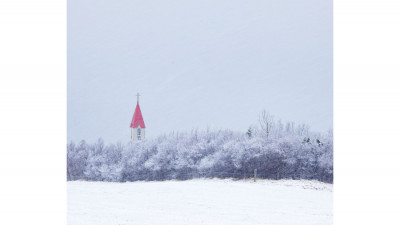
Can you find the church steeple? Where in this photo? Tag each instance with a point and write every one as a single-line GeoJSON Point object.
{"type": "Point", "coordinates": [137, 124]}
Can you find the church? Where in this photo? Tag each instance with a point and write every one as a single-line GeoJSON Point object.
{"type": "Point", "coordinates": [137, 124]}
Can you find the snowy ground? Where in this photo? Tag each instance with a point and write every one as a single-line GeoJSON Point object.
{"type": "Point", "coordinates": [200, 202]}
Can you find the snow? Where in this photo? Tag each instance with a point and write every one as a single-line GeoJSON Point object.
{"type": "Point", "coordinates": [200, 201]}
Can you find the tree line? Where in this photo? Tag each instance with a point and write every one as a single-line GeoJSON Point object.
{"type": "Point", "coordinates": [277, 151]}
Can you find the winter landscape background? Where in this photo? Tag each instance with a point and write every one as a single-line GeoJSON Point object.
{"type": "Point", "coordinates": [227, 88]}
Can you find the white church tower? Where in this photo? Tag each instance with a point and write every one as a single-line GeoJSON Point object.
{"type": "Point", "coordinates": [138, 129]}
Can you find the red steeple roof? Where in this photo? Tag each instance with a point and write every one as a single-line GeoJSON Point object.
{"type": "Point", "coordinates": [137, 118]}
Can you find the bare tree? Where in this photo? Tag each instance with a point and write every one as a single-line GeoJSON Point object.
{"type": "Point", "coordinates": [303, 129]}
{"type": "Point", "coordinates": [266, 122]}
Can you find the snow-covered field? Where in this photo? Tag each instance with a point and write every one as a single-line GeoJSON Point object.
{"type": "Point", "coordinates": [201, 201]}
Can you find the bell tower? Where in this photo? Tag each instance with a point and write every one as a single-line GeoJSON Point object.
{"type": "Point", "coordinates": [138, 129]}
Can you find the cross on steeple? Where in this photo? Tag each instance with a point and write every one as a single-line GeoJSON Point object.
{"type": "Point", "coordinates": [137, 97]}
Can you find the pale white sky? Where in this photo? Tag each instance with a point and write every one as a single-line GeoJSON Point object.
{"type": "Point", "coordinates": [197, 64]}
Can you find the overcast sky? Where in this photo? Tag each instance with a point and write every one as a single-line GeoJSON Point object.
{"type": "Point", "coordinates": [197, 64]}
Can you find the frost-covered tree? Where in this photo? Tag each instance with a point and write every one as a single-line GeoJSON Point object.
{"type": "Point", "coordinates": [249, 132]}
{"type": "Point", "coordinates": [77, 160]}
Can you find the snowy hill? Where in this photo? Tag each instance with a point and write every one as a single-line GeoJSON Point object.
{"type": "Point", "coordinates": [197, 64]}
{"type": "Point", "coordinates": [195, 202]}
